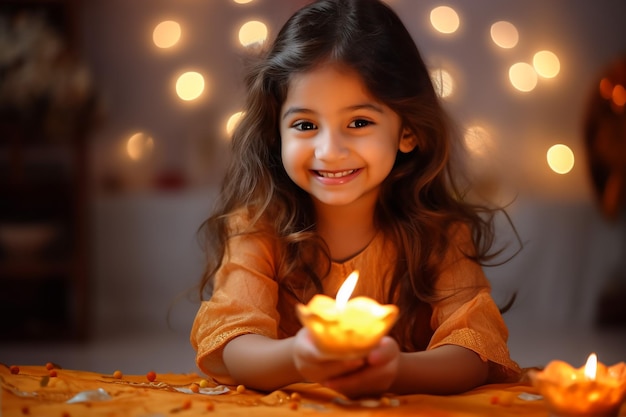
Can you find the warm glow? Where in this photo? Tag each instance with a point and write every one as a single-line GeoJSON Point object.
{"type": "Point", "coordinates": [591, 366]}
{"type": "Point", "coordinates": [232, 122]}
{"type": "Point", "coordinates": [477, 140]}
{"type": "Point", "coordinates": [606, 88]}
{"type": "Point", "coordinates": [139, 145]}
{"type": "Point", "coordinates": [592, 390]}
{"type": "Point", "coordinates": [546, 64]}
{"type": "Point", "coordinates": [444, 19]}
{"type": "Point", "coordinates": [190, 85]}
{"type": "Point", "coordinates": [242, 1]}
{"type": "Point", "coordinates": [523, 76]}
{"type": "Point", "coordinates": [252, 32]}
{"type": "Point", "coordinates": [619, 95]}
{"type": "Point", "coordinates": [344, 293]}
{"type": "Point", "coordinates": [443, 82]}
{"type": "Point", "coordinates": [560, 159]}
{"type": "Point", "coordinates": [166, 34]}
{"type": "Point", "coordinates": [504, 34]}
{"type": "Point", "coordinates": [346, 327]}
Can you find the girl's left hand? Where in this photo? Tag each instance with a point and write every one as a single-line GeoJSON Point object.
{"type": "Point", "coordinates": [376, 377]}
{"type": "Point", "coordinates": [314, 366]}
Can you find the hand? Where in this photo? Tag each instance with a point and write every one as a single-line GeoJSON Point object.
{"type": "Point", "coordinates": [314, 366]}
{"type": "Point", "coordinates": [376, 377]}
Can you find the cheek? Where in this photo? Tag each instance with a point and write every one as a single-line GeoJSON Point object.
{"type": "Point", "coordinates": [291, 157]}
{"type": "Point", "coordinates": [382, 158]}
{"type": "Point", "coordinates": [383, 151]}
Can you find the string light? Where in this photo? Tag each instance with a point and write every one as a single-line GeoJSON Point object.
{"type": "Point", "coordinates": [166, 34]}
{"type": "Point", "coordinates": [444, 19]}
{"type": "Point", "coordinates": [190, 85]}
{"type": "Point", "coordinates": [139, 146]}
{"type": "Point", "coordinates": [232, 122]}
{"type": "Point", "coordinates": [443, 82]}
{"type": "Point", "coordinates": [547, 64]}
{"type": "Point", "coordinates": [523, 76]}
{"type": "Point", "coordinates": [252, 32]}
{"type": "Point", "coordinates": [504, 34]}
{"type": "Point", "coordinates": [560, 158]}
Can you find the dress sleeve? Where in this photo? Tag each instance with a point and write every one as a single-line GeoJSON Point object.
{"type": "Point", "coordinates": [243, 301]}
{"type": "Point", "coordinates": [466, 314]}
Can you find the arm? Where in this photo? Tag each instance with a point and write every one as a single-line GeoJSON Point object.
{"type": "Point", "coordinates": [448, 369]}
{"type": "Point", "coordinates": [261, 363]}
{"type": "Point", "coordinates": [266, 364]}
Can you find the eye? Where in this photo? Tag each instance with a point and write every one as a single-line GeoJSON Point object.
{"type": "Point", "coordinates": [304, 126]}
{"type": "Point", "coordinates": [358, 123]}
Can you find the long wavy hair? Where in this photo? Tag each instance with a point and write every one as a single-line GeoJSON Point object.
{"type": "Point", "coordinates": [418, 201]}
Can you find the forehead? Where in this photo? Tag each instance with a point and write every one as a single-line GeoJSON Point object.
{"type": "Point", "coordinates": [328, 81]}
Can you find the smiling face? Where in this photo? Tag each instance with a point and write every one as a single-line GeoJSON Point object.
{"type": "Point", "coordinates": [338, 142]}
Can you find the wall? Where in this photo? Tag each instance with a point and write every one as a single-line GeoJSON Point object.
{"type": "Point", "coordinates": [145, 253]}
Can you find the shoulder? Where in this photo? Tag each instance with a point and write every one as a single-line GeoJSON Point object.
{"type": "Point", "coordinates": [249, 236]}
{"type": "Point", "coordinates": [244, 221]}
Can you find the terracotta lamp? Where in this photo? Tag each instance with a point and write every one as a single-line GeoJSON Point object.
{"type": "Point", "coordinates": [593, 390]}
{"type": "Point", "coordinates": [346, 328]}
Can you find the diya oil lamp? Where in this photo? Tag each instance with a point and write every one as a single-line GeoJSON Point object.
{"type": "Point", "coordinates": [343, 327]}
{"type": "Point", "coordinates": [593, 390]}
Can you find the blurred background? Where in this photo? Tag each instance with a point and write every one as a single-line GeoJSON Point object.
{"type": "Point", "coordinates": [114, 121]}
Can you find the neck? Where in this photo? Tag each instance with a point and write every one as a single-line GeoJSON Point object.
{"type": "Point", "coordinates": [347, 230]}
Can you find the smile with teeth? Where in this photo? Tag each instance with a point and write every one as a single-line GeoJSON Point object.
{"type": "Point", "coordinates": [335, 174]}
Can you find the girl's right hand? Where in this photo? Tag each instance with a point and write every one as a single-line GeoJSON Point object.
{"type": "Point", "coordinates": [314, 366]}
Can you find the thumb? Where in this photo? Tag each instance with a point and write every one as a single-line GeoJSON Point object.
{"type": "Point", "coordinates": [385, 351]}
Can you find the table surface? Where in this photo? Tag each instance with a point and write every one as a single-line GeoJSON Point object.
{"type": "Point", "coordinates": [32, 390]}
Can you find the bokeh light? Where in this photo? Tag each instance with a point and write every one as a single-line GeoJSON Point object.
{"type": "Point", "coordinates": [560, 159]}
{"type": "Point", "coordinates": [232, 122]}
{"type": "Point", "coordinates": [504, 34]}
{"type": "Point", "coordinates": [252, 32]}
{"type": "Point", "coordinates": [547, 64]}
{"type": "Point", "coordinates": [477, 140]}
{"type": "Point", "coordinates": [190, 85]}
{"type": "Point", "coordinates": [242, 1]}
{"type": "Point", "coordinates": [443, 82]}
{"type": "Point", "coordinates": [166, 34]}
{"type": "Point", "coordinates": [444, 19]}
{"type": "Point", "coordinates": [139, 146]}
{"type": "Point", "coordinates": [523, 76]}
{"type": "Point", "coordinates": [606, 88]}
{"type": "Point", "coordinates": [619, 95]}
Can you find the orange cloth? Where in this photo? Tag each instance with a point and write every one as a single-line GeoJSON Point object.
{"type": "Point", "coordinates": [247, 299]}
{"type": "Point", "coordinates": [134, 396]}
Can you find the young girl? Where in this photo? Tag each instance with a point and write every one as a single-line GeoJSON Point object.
{"type": "Point", "coordinates": [342, 163]}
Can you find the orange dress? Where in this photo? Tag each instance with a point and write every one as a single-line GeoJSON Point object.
{"type": "Point", "coordinates": [247, 299]}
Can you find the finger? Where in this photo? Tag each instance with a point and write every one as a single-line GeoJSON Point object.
{"type": "Point", "coordinates": [336, 369]}
{"type": "Point", "coordinates": [372, 378]}
{"type": "Point", "coordinates": [357, 384]}
{"type": "Point", "coordinates": [384, 352]}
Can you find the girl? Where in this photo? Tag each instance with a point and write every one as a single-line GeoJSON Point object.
{"type": "Point", "coordinates": [341, 163]}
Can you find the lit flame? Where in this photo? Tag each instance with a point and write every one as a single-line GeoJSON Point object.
{"type": "Point", "coordinates": [346, 289]}
{"type": "Point", "coordinates": [591, 366]}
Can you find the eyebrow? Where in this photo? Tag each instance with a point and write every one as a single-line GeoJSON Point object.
{"type": "Point", "coordinates": [366, 106]}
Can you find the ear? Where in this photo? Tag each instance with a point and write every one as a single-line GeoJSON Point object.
{"type": "Point", "coordinates": [408, 141]}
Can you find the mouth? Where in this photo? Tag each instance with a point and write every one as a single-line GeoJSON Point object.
{"type": "Point", "coordinates": [336, 174]}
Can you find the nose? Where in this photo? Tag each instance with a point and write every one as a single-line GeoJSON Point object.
{"type": "Point", "coordinates": [330, 146]}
